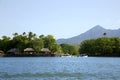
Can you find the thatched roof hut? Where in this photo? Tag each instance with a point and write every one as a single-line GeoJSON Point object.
{"type": "Point", "coordinates": [1, 53]}
{"type": "Point", "coordinates": [45, 50]}
{"type": "Point", "coordinates": [29, 50]}
{"type": "Point", "coordinates": [13, 51]}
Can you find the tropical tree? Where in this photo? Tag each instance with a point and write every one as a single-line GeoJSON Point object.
{"type": "Point", "coordinates": [5, 43]}
{"type": "Point", "coordinates": [24, 33]}
{"type": "Point", "coordinates": [41, 36]}
{"type": "Point", "coordinates": [37, 44]}
{"type": "Point", "coordinates": [15, 34]}
{"type": "Point", "coordinates": [30, 36]}
{"type": "Point", "coordinates": [70, 49]}
{"type": "Point", "coordinates": [104, 34]}
{"type": "Point", "coordinates": [101, 47]}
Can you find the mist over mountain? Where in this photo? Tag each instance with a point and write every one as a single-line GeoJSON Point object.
{"type": "Point", "coordinates": [96, 32]}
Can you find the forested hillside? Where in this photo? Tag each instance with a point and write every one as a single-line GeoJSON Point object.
{"type": "Point", "coordinates": [96, 32]}
{"type": "Point", "coordinates": [101, 47]}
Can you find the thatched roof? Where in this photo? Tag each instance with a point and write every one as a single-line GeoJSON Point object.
{"type": "Point", "coordinates": [13, 50]}
{"type": "Point", "coordinates": [1, 51]}
{"type": "Point", "coordinates": [28, 49]}
{"type": "Point", "coordinates": [45, 50]}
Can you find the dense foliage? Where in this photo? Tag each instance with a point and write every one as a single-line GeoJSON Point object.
{"type": "Point", "coordinates": [94, 47]}
{"type": "Point", "coordinates": [31, 40]}
{"type": "Point", "coordinates": [70, 49]}
{"type": "Point", "coordinates": [101, 47]}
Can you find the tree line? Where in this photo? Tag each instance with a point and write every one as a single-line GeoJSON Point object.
{"type": "Point", "coordinates": [31, 40]}
{"type": "Point", "coordinates": [101, 47]}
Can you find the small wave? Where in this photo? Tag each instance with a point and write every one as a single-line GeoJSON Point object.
{"type": "Point", "coordinates": [61, 74]}
{"type": "Point", "coordinates": [58, 76]}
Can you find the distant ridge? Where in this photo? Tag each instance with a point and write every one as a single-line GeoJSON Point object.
{"type": "Point", "coordinates": [96, 32]}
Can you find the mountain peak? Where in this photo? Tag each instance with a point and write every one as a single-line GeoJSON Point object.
{"type": "Point", "coordinates": [96, 32]}
{"type": "Point", "coordinates": [98, 27]}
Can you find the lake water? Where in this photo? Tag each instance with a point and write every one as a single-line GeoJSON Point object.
{"type": "Point", "coordinates": [59, 68]}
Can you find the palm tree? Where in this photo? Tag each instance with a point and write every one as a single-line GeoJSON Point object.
{"type": "Point", "coordinates": [5, 38]}
{"type": "Point", "coordinates": [34, 35]}
{"type": "Point", "coordinates": [30, 36]}
{"type": "Point", "coordinates": [15, 34]}
{"type": "Point", "coordinates": [41, 36]}
{"type": "Point", "coordinates": [104, 34]}
{"type": "Point", "coordinates": [24, 33]}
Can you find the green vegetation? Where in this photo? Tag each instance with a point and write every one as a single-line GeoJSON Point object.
{"type": "Point", "coordinates": [30, 40]}
{"type": "Point", "coordinates": [101, 47]}
{"type": "Point", "coordinates": [94, 47]}
{"type": "Point", "coordinates": [70, 49]}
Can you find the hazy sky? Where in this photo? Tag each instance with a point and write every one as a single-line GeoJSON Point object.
{"type": "Point", "coordinates": [61, 18]}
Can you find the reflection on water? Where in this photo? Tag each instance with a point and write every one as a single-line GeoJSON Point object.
{"type": "Point", "coordinates": [52, 68]}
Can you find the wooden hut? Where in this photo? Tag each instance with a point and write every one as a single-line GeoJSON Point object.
{"type": "Point", "coordinates": [29, 51]}
{"type": "Point", "coordinates": [13, 51]}
{"type": "Point", "coordinates": [45, 50]}
{"type": "Point", "coordinates": [2, 53]}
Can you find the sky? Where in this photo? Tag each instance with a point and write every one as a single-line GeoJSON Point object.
{"type": "Point", "coordinates": [60, 18]}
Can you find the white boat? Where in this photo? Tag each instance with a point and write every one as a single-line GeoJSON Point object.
{"type": "Point", "coordinates": [84, 55]}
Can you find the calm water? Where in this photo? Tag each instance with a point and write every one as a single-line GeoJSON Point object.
{"type": "Point", "coordinates": [59, 68]}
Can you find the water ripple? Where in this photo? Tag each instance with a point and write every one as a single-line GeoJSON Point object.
{"type": "Point", "coordinates": [23, 75]}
